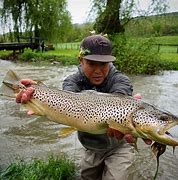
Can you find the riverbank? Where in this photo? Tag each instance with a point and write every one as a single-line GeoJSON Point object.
{"type": "Point", "coordinates": [167, 60]}
{"type": "Point", "coordinates": [63, 57]}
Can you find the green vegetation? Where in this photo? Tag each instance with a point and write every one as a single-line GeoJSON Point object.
{"type": "Point", "coordinates": [47, 19]}
{"type": "Point", "coordinates": [159, 25]}
{"type": "Point", "coordinates": [141, 56]}
{"type": "Point", "coordinates": [63, 57]}
{"type": "Point", "coordinates": [134, 55]}
{"type": "Point", "coordinates": [59, 168]}
{"type": "Point", "coordinates": [112, 15]}
{"type": "Point", "coordinates": [167, 39]}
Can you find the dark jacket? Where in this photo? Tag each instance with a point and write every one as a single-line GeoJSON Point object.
{"type": "Point", "coordinates": [115, 82]}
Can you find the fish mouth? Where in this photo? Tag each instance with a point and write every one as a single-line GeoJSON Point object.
{"type": "Point", "coordinates": [168, 134]}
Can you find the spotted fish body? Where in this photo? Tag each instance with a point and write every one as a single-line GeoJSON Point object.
{"type": "Point", "coordinates": [94, 112]}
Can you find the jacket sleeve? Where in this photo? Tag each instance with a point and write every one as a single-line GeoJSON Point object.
{"type": "Point", "coordinates": [121, 84]}
{"type": "Point", "coordinates": [71, 83]}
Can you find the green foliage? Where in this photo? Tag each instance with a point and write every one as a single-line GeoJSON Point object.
{"type": "Point", "coordinates": [169, 61]}
{"type": "Point", "coordinates": [28, 55]}
{"type": "Point", "coordinates": [64, 57]}
{"type": "Point", "coordinates": [160, 25]}
{"type": "Point", "coordinates": [112, 15]}
{"type": "Point", "coordinates": [48, 18]}
{"type": "Point", "coordinates": [59, 168]}
{"type": "Point", "coordinates": [135, 56]}
{"type": "Point", "coordinates": [80, 31]}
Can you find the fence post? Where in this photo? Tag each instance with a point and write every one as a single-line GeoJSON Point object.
{"type": "Point", "coordinates": [158, 47]}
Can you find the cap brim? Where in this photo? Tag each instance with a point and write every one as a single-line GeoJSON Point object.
{"type": "Point", "coordinates": [100, 58]}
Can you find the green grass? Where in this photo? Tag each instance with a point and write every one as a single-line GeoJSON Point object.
{"type": "Point", "coordinates": [167, 40]}
{"type": "Point", "coordinates": [63, 52]}
{"type": "Point", "coordinates": [59, 168]}
{"type": "Point", "coordinates": [64, 57]}
{"type": "Point", "coordinates": [169, 57]}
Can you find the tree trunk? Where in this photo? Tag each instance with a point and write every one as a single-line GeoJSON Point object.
{"type": "Point", "coordinates": [109, 21]}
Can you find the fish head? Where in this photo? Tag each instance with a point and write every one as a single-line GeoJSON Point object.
{"type": "Point", "coordinates": [155, 124]}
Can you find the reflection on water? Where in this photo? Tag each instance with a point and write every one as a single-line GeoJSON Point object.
{"type": "Point", "coordinates": [32, 136]}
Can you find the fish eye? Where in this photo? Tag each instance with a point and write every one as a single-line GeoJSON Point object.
{"type": "Point", "coordinates": [164, 118]}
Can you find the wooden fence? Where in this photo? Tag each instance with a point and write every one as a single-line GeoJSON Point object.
{"type": "Point", "coordinates": [172, 48]}
{"type": "Point", "coordinates": [75, 46]}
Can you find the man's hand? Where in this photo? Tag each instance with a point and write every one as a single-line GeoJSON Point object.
{"type": "Point", "coordinates": [118, 135]}
{"type": "Point", "coordinates": [114, 133]}
{"type": "Point", "coordinates": [128, 137]}
{"type": "Point", "coordinates": [25, 95]}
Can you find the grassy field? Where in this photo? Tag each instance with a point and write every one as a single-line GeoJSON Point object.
{"type": "Point", "coordinates": [63, 52]}
{"type": "Point", "coordinates": [167, 40]}
{"type": "Point", "coordinates": [168, 54]}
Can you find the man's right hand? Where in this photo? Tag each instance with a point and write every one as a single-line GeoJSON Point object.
{"type": "Point", "coordinates": [25, 95]}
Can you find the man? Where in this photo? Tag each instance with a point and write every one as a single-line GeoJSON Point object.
{"type": "Point", "coordinates": [107, 156]}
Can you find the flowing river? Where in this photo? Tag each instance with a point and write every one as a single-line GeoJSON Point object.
{"type": "Point", "coordinates": [26, 137]}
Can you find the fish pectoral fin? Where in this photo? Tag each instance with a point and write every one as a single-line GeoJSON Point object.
{"type": "Point", "coordinates": [66, 131]}
{"type": "Point", "coordinates": [119, 127]}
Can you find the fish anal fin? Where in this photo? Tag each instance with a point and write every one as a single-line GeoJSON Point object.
{"type": "Point", "coordinates": [66, 131]}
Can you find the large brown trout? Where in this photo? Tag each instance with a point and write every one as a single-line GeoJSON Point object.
{"type": "Point", "coordinates": [94, 112]}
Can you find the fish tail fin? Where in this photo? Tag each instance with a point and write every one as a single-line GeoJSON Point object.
{"type": "Point", "coordinates": [9, 84]}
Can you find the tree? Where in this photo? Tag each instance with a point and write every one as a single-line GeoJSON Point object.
{"type": "Point", "coordinates": [46, 18]}
{"type": "Point", "coordinates": [113, 15]}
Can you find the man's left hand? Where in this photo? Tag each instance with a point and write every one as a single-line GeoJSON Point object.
{"type": "Point", "coordinates": [128, 137]}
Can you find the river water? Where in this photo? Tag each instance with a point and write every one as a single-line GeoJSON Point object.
{"type": "Point", "coordinates": [26, 137]}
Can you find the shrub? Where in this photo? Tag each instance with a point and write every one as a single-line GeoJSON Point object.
{"type": "Point", "coordinates": [28, 55]}
{"type": "Point", "coordinates": [135, 56]}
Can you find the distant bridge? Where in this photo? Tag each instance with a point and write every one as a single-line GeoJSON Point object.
{"type": "Point", "coordinates": [18, 46]}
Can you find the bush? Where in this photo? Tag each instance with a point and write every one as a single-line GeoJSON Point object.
{"type": "Point", "coordinates": [135, 56]}
{"type": "Point", "coordinates": [28, 55]}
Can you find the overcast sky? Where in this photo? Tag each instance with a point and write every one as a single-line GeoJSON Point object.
{"type": "Point", "coordinates": [80, 8]}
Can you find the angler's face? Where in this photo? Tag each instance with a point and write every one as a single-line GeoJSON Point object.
{"type": "Point", "coordinates": [95, 71]}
